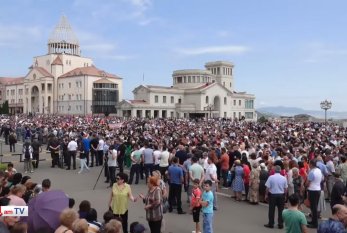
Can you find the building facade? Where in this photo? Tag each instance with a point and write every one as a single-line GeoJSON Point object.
{"type": "Point", "coordinates": [62, 81]}
{"type": "Point", "coordinates": [195, 93]}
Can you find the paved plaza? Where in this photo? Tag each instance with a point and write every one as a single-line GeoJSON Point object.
{"type": "Point", "coordinates": [236, 217]}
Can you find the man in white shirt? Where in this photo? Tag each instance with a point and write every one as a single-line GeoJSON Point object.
{"type": "Point", "coordinates": [211, 174]}
{"type": "Point", "coordinates": [314, 178]}
{"type": "Point", "coordinates": [276, 188]}
{"type": "Point", "coordinates": [100, 152]}
{"type": "Point", "coordinates": [72, 148]}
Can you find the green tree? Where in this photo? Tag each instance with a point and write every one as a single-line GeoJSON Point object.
{"type": "Point", "coordinates": [5, 108]}
{"type": "Point", "coordinates": [262, 119]}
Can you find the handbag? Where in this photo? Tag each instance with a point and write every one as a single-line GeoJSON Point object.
{"type": "Point", "coordinates": [165, 205]}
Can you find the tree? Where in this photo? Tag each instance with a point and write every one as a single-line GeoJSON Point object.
{"type": "Point", "coordinates": [4, 109]}
{"type": "Point", "coordinates": [262, 120]}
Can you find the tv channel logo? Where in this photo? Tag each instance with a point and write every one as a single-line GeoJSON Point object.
{"type": "Point", "coordinates": [18, 211]}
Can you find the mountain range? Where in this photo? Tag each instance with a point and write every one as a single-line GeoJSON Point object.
{"type": "Point", "coordinates": [292, 111]}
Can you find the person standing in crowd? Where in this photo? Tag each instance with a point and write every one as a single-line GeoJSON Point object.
{"type": "Point", "coordinates": [254, 185]}
{"type": "Point", "coordinates": [86, 147]}
{"type": "Point", "coordinates": [36, 145]}
{"type": "Point", "coordinates": [207, 207]}
{"type": "Point", "coordinates": [181, 154]}
{"type": "Point", "coordinates": [175, 174]}
{"type": "Point", "coordinates": [196, 171]}
{"type": "Point", "coordinates": [153, 207]}
{"type": "Point", "coordinates": [211, 174]}
{"type": "Point", "coordinates": [112, 164]}
{"type": "Point", "coordinates": [330, 179]}
{"type": "Point", "coordinates": [121, 155]}
{"type": "Point", "coordinates": [94, 150]}
{"type": "Point", "coordinates": [136, 159]}
{"type": "Point", "coordinates": [264, 174]}
{"type": "Point", "coordinates": [148, 160]}
{"type": "Point", "coordinates": [337, 223]}
{"type": "Point", "coordinates": [224, 164]}
{"type": "Point", "coordinates": [28, 156]}
{"type": "Point", "coordinates": [315, 177]}
{"type": "Point", "coordinates": [238, 185]}
{"type": "Point", "coordinates": [72, 150]}
{"type": "Point", "coordinates": [337, 192]}
{"type": "Point", "coordinates": [12, 139]}
{"type": "Point", "coordinates": [294, 219]}
{"type": "Point", "coordinates": [54, 147]}
{"type": "Point", "coordinates": [83, 157]}
{"type": "Point", "coordinates": [342, 168]}
{"type": "Point", "coordinates": [120, 194]}
{"type": "Point", "coordinates": [195, 204]}
{"type": "Point", "coordinates": [164, 162]}
{"type": "Point", "coordinates": [276, 188]}
{"type": "Point", "coordinates": [100, 151]}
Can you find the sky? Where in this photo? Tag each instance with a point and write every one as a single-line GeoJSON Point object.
{"type": "Point", "coordinates": [286, 52]}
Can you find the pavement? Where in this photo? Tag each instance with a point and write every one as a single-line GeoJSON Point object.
{"type": "Point", "coordinates": [231, 216]}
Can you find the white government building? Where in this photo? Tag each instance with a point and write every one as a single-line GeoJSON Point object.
{"type": "Point", "coordinates": [62, 81]}
{"type": "Point", "coordinates": [194, 93]}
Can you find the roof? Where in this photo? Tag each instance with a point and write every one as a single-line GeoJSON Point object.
{"type": "Point", "coordinates": [138, 101]}
{"type": "Point", "coordinates": [42, 71]}
{"type": "Point", "coordinates": [89, 70]}
{"type": "Point", "coordinates": [161, 87]}
{"type": "Point", "coordinates": [11, 80]}
{"type": "Point", "coordinates": [63, 33]}
{"type": "Point", "coordinates": [103, 80]}
{"type": "Point", "coordinates": [57, 61]}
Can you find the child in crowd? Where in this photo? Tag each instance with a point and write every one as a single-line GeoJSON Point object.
{"type": "Point", "coordinates": [10, 169]}
{"type": "Point", "coordinates": [207, 207]}
{"type": "Point", "coordinates": [195, 205]}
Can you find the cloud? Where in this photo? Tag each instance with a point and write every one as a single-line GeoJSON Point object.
{"type": "Point", "coordinates": [228, 49]}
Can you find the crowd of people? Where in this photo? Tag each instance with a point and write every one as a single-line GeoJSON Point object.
{"type": "Point", "coordinates": [286, 164]}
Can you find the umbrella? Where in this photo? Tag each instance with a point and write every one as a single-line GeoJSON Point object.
{"type": "Point", "coordinates": [45, 209]}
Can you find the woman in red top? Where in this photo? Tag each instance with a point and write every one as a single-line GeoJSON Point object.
{"type": "Point", "coordinates": [246, 174]}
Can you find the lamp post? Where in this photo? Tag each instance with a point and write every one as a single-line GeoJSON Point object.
{"type": "Point", "coordinates": [209, 108]}
{"type": "Point", "coordinates": [325, 105]}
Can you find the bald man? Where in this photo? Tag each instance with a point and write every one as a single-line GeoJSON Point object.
{"type": "Point", "coordinates": [337, 223]}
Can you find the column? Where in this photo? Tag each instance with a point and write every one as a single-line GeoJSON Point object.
{"type": "Point", "coordinates": [133, 112]}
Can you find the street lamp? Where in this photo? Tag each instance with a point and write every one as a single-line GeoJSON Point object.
{"type": "Point", "coordinates": [325, 105]}
{"type": "Point", "coordinates": [209, 108]}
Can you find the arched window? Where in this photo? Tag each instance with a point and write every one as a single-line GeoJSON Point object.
{"type": "Point", "coordinates": [207, 100]}
{"type": "Point", "coordinates": [225, 100]}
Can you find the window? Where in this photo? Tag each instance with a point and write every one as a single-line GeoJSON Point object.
{"type": "Point", "coordinates": [198, 79]}
{"type": "Point", "coordinates": [234, 115]}
{"type": "Point", "coordinates": [225, 100]}
{"type": "Point", "coordinates": [172, 99]}
{"type": "Point", "coordinates": [218, 71]}
{"type": "Point", "coordinates": [156, 99]}
{"type": "Point", "coordinates": [12, 92]}
{"type": "Point", "coordinates": [230, 84]}
{"type": "Point", "coordinates": [234, 102]}
{"type": "Point", "coordinates": [189, 79]}
{"type": "Point", "coordinates": [69, 85]}
{"type": "Point", "coordinates": [179, 79]}
{"type": "Point", "coordinates": [240, 102]}
{"type": "Point", "coordinates": [20, 91]}
{"type": "Point", "coordinates": [249, 115]}
{"type": "Point", "coordinates": [239, 115]}
{"type": "Point", "coordinates": [206, 100]}
{"type": "Point", "coordinates": [225, 114]}
{"type": "Point", "coordinates": [164, 99]}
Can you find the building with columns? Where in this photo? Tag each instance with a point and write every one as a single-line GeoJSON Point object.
{"type": "Point", "coordinates": [63, 81]}
{"type": "Point", "coordinates": [205, 92]}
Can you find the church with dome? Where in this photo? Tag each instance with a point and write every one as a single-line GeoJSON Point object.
{"type": "Point", "coordinates": [62, 81]}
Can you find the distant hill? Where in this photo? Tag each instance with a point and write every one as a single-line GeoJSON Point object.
{"type": "Point", "coordinates": [292, 111]}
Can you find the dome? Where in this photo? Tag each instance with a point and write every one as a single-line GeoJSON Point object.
{"type": "Point", "coordinates": [63, 33]}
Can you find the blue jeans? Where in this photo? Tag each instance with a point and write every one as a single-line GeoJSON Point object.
{"type": "Point", "coordinates": [207, 223]}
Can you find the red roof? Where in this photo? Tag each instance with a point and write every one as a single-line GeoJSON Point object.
{"type": "Point", "coordinates": [89, 70]}
{"type": "Point", "coordinates": [43, 71]}
{"type": "Point", "coordinates": [57, 61]}
{"type": "Point", "coordinates": [11, 80]}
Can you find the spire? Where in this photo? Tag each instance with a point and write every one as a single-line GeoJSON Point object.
{"type": "Point", "coordinates": [63, 39]}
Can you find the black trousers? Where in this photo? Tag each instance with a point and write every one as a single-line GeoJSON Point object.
{"type": "Point", "coordinates": [120, 161]}
{"type": "Point", "coordinates": [93, 154]}
{"type": "Point", "coordinates": [36, 157]}
{"type": "Point", "coordinates": [124, 218]}
{"type": "Point", "coordinates": [55, 158]}
{"type": "Point", "coordinates": [175, 196]}
{"type": "Point", "coordinates": [162, 172]}
{"type": "Point", "coordinates": [154, 226]}
{"type": "Point", "coordinates": [71, 155]}
{"type": "Point", "coordinates": [135, 169]}
{"type": "Point", "coordinates": [276, 200]}
{"type": "Point", "coordinates": [87, 156]}
{"type": "Point", "coordinates": [225, 177]}
{"type": "Point", "coordinates": [148, 170]}
{"type": "Point", "coordinates": [313, 197]}
{"type": "Point", "coordinates": [112, 175]}
{"type": "Point", "coordinates": [100, 158]}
